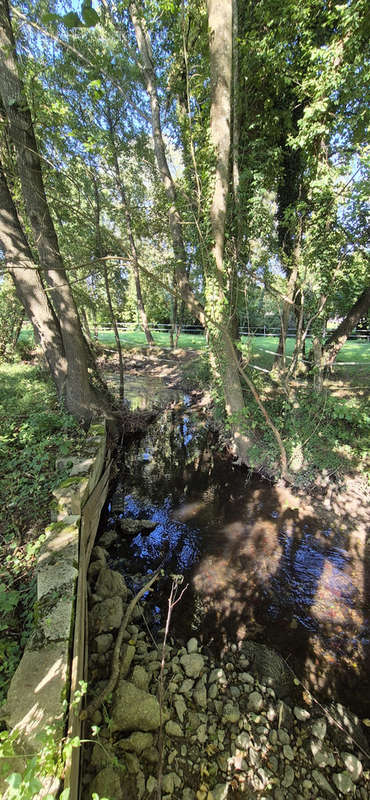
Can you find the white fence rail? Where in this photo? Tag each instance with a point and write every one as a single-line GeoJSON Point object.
{"type": "Point", "coordinates": [262, 330]}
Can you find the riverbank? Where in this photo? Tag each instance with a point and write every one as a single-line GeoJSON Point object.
{"type": "Point", "coordinates": [239, 727]}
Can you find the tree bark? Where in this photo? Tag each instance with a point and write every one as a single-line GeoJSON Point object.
{"type": "Point", "coordinates": [81, 398]}
{"type": "Point", "coordinates": [101, 254]}
{"type": "Point", "coordinates": [30, 291]}
{"type": "Point", "coordinates": [340, 336]}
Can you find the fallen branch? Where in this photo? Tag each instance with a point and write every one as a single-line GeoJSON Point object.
{"type": "Point", "coordinates": [111, 685]}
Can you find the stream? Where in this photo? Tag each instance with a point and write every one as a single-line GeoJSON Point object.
{"type": "Point", "coordinates": [259, 562]}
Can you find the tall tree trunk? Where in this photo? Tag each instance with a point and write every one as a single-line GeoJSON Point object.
{"type": "Point", "coordinates": [340, 336]}
{"type": "Point", "coordinates": [30, 291]}
{"type": "Point", "coordinates": [100, 253]}
{"type": "Point", "coordinates": [82, 399]}
{"type": "Point", "coordinates": [145, 50]}
{"type": "Point", "coordinates": [220, 46]}
{"type": "Point", "coordinates": [18, 328]}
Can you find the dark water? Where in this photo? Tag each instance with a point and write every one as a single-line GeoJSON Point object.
{"type": "Point", "coordinates": [260, 563]}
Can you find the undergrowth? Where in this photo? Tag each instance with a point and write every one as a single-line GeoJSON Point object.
{"type": "Point", "coordinates": [33, 431]}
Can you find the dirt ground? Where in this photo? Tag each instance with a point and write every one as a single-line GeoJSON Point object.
{"type": "Point", "coordinates": [173, 366]}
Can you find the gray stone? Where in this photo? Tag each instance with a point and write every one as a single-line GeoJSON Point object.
{"type": "Point", "coordinates": [353, 765]}
{"type": "Point", "coordinates": [126, 659]}
{"type": "Point", "coordinates": [107, 538]}
{"type": "Point", "coordinates": [217, 675]}
{"type": "Point", "coordinates": [180, 707]}
{"type": "Point", "coordinates": [200, 694]}
{"type": "Point", "coordinates": [321, 781]}
{"type": "Point", "coordinates": [301, 713]}
{"type": "Point", "coordinates": [140, 678]}
{"type": "Point", "coordinates": [344, 782]}
{"type": "Point", "coordinates": [132, 763]}
{"type": "Point", "coordinates": [243, 741]}
{"type": "Point", "coordinates": [285, 715]}
{"type": "Point", "coordinates": [106, 616]}
{"type": "Point", "coordinates": [193, 664]}
{"type": "Point", "coordinates": [173, 729]}
{"type": "Point", "coordinates": [134, 709]}
{"type": "Point", "coordinates": [107, 783]}
{"type": "Point", "coordinates": [131, 527]}
{"type": "Point", "coordinates": [151, 755]}
{"type": "Point", "coordinates": [202, 734]}
{"type": "Point", "coordinates": [186, 686]}
{"type": "Point", "coordinates": [101, 756]}
{"type": "Point", "coordinates": [269, 667]}
{"type": "Point", "coordinates": [231, 713]}
{"type": "Point", "coordinates": [136, 742]}
{"type": "Point", "coordinates": [192, 645]}
{"type": "Point", "coordinates": [319, 728]}
{"type": "Point", "coordinates": [168, 783]}
{"type": "Point", "coordinates": [288, 752]}
{"type": "Point", "coordinates": [255, 702]}
{"type": "Point", "coordinates": [213, 691]}
{"type": "Point", "coordinates": [289, 776]}
{"type": "Point", "coordinates": [151, 784]}
{"type": "Point", "coordinates": [110, 584]}
{"type": "Point", "coordinates": [188, 794]}
{"type": "Point", "coordinates": [283, 736]}
{"type": "Point", "coordinates": [103, 642]}
{"type": "Point", "coordinates": [220, 791]}
{"type": "Point", "coordinates": [246, 677]}
{"type": "Point", "coordinates": [321, 756]}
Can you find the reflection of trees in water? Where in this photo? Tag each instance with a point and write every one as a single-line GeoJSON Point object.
{"type": "Point", "coordinates": [262, 563]}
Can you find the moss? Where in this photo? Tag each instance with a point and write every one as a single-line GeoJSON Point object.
{"type": "Point", "coordinates": [74, 481]}
{"type": "Point", "coordinates": [97, 429]}
{"type": "Point", "coordinates": [56, 527]}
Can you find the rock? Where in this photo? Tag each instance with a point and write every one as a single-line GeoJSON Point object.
{"type": "Point", "coordinates": [107, 615]}
{"type": "Point", "coordinates": [246, 677]}
{"type": "Point", "coordinates": [269, 667]}
{"type": "Point", "coordinates": [133, 709]}
{"type": "Point", "coordinates": [202, 734]}
{"type": "Point", "coordinates": [288, 752]}
{"type": "Point", "coordinates": [131, 527]}
{"type": "Point", "coordinates": [350, 723]}
{"type": "Point", "coordinates": [200, 694]}
{"type": "Point", "coordinates": [285, 715]}
{"type": "Point", "coordinates": [103, 642]}
{"type": "Point", "coordinates": [343, 782]}
{"type": "Point", "coordinates": [220, 791]}
{"type": "Point", "coordinates": [231, 713]}
{"type": "Point", "coordinates": [107, 538]}
{"type": "Point", "coordinates": [140, 783]}
{"type": "Point", "coordinates": [186, 687]}
{"type": "Point", "coordinates": [107, 783]}
{"type": "Point", "coordinates": [217, 675]}
{"type": "Point", "coordinates": [132, 763]}
{"type": "Point", "coordinates": [255, 702]}
{"type": "Point", "coordinates": [321, 756]}
{"type": "Point", "coordinates": [140, 678]}
{"type": "Point", "coordinates": [192, 646]}
{"type": "Point", "coordinates": [319, 728]}
{"type": "Point", "coordinates": [180, 707]}
{"type": "Point", "coordinates": [168, 784]}
{"type": "Point", "coordinates": [321, 781]}
{"type": "Point", "coordinates": [151, 784]}
{"type": "Point", "coordinates": [193, 664]}
{"type": "Point", "coordinates": [243, 741]}
{"type": "Point", "coordinates": [110, 584]}
{"type": "Point", "coordinates": [173, 729]}
{"type": "Point", "coordinates": [353, 765]}
{"type": "Point", "coordinates": [283, 736]}
{"type": "Point", "coordinates": [136, 742]}
{"type": "Point", "coordinates": [151, 755]}
{"type": "Point", "coordinates": [126, 659]}
{"type": "Point", "coordinates": [99, 554]}
{"type": "Point", "coordinates": [213, 691]}
{"type": "Point", "coordinates": [301, 713]}
{"type": "Point", "coordinates": [101, 756]}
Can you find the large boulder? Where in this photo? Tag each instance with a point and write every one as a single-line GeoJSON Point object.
{"type": "Point", "coordinates": [270, 668]}
{"type": "Point", "coordinates": [106, 616]}
{"type": "Point", "coordinates": [133, 709]}
{"type": "Point", "coordinates": [110, 584]}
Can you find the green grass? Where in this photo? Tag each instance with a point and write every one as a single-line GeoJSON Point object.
{"type": "Point", "coordinates": [33, 431]}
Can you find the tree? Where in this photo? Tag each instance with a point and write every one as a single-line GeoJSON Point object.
{"type": "Point", "coordinates": [58, 327]}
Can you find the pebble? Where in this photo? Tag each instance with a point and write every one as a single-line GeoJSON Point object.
{"type": "Point", "coordinates": [173, 728]}
{"type": "Point", "coordinates": [343, 782]}
{"type": "Point", "coordinates": [192, 646]}
{"type": "Point", "coordinates": [255, 702]}
{"type": "Point", "coordinates": [283, 736]}
{"type": "Point", "coordinates": [321, 781]}
{"type": "Point", "coordinates": [288, 752]}
{"type": "Point", "coordinates": [301, 713]}
{"type": "Point", "coordinates": [319, 728]}
{"type": "Point", "coordinates": [193, 664]}
{"type": "Point", "coordinates": [353, 765]}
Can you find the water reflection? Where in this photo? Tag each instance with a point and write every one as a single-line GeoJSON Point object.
{"type": "Point", "coordinates": [259, 561]}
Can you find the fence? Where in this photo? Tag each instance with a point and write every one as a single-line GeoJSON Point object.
{"type": "Point", "coordinates": [261, 330]}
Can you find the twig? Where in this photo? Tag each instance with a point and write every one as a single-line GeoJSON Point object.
{"type": "Point", "coordinates": [172, 602]}
{"type": "Point", "coordinates": [110, 686]}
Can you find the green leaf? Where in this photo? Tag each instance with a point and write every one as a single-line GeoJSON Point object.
{"type": "Point", "coordinates": [90, 17]}
{"type": "Point", "coordinates": [14, 780]}
{"type": "Point", "coordinates": [72, 20]}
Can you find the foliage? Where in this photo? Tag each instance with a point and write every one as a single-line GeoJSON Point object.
{"type": "Point", "coordinates": [33, 432]}
{"type": "Point", "coordinates": [10, 318]}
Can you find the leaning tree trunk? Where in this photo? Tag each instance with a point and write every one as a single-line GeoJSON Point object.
{"type": "Point", "coordinates": [81, 398]}
{"type": "Point", "coordinates": [340, 336]}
